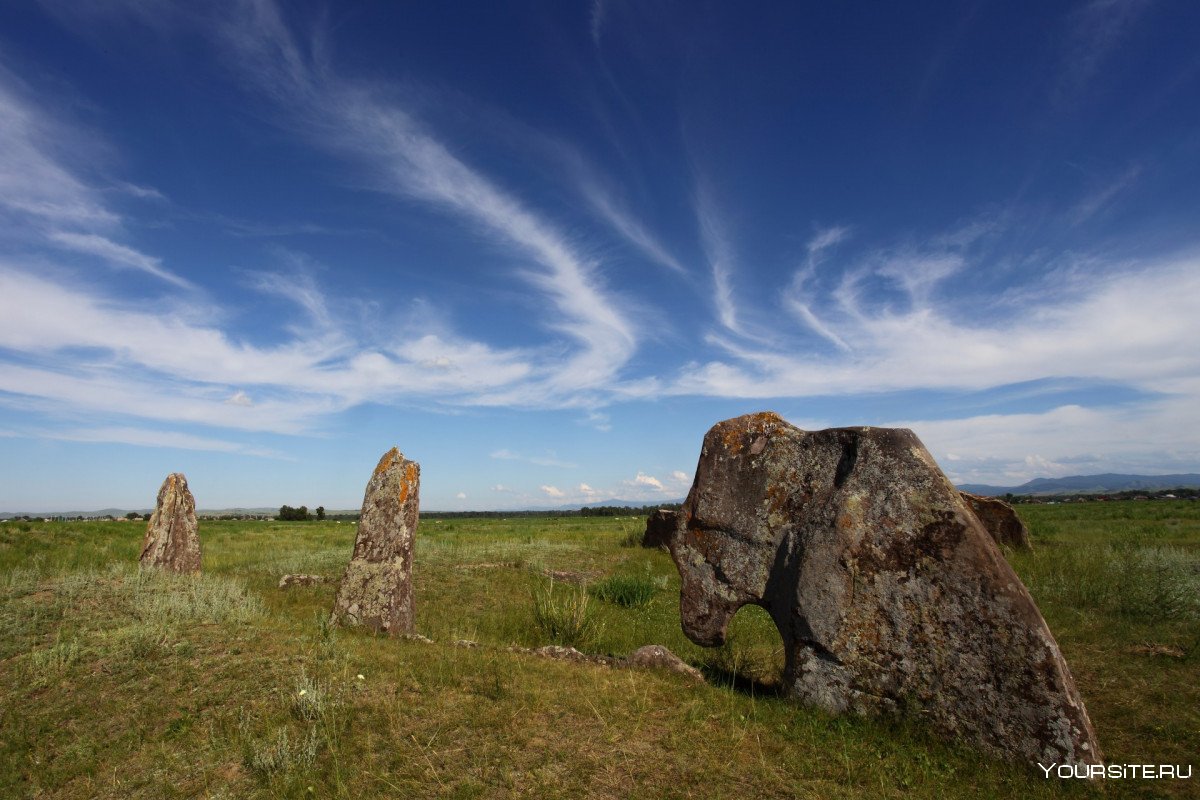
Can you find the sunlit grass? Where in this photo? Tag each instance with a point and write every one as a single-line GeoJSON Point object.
{"type": "Point", "coordinates": [121, 683]}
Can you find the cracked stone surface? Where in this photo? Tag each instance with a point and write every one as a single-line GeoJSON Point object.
{"type": "Point", "coordinates": [173, 537]}
{"type": "Point", "coordinates": [887, 590]}
{"type": "Point", "coordinates": [376, 590]}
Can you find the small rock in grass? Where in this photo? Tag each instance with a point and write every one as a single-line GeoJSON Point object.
{"type": "Point", "coordinates": [288, 581]}
{"type": "Point", "coordinates": [655, 656]}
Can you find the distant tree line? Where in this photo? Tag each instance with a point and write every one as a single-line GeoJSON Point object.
{"type": "Point", "coordinates": [626, 511]}
{"type": "Point", "coordinates": [289, 514]}
{"type": "Point", "coordinates": [1179, 493]}
{"type": "Point", "coordinates": [597, 511]}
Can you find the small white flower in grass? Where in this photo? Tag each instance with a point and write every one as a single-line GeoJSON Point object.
{"type": "Point", "coordinates": [360, 677]}
{"type": "Point", "coordinates": [303, 692]}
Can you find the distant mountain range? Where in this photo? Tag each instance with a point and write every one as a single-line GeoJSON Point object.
{"type": "Point", "coordinates": [1090, 484]}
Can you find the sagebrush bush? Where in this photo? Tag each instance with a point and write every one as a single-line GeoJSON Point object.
{"type": "Point", "coordinates": [279, 754]}
{"type": "Point", "coordinates": [565, 617]}
{"type": "Point", "coordinates": [1149, 584]}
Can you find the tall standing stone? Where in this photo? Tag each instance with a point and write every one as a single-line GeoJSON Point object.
{"type": "Point", "coordinates": [172, 537]}
{"type": "Point", "coordinates": [888, 592]}
{"type": "Point", "coordinates": [376, 589]}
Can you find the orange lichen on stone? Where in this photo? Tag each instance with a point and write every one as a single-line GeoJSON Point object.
{"type": "Point", "coordinates": [385, 463]}
{"type": "Point", "coordinates": [731, 438]}
{"type": "Point", "coordinates": [409, 481]}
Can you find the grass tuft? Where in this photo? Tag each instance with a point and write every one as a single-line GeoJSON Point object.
{"type": "Point", "coordinates": [566, 617]}
{"type": "Point", "coordinates": [629, 591]}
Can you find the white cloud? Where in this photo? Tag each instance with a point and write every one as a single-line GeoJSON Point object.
{"type": "Point", "coordinates": [553, 491]}
{"type": "Point", "coordinates": [461, 495]}
{"type": "Point", "coordinates": [1133, 326]}
{"type": "Point", "coordinates": [1008, 449]}
{"type": "Point", "coordinates": [101, 353]}
{"type": "Point", "coordinates": [643, 479]}
{"type": "Point", "coordinates": [681, 477]}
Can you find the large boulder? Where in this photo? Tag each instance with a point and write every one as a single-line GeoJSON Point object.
{"type": "Point", "coordinates": [887, 591]}
{"type": "Point", "coordinates": [1000, 520]}
{"type": "Point", "coordinates": [659, 526]}
{"type": "Point", "coordinates": [376, 589]}
{"type": "Point", "coordinates": [172, 537]}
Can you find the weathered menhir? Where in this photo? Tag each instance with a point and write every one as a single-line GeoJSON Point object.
{"type": "Point", "coordinates": [887, 590]}
{"type": "Point", "coordinates": [376, 589]}
{"type": "Point", "coordinates": [172, 537]}
{"type": "Point", "coordinates": [1000, 520]}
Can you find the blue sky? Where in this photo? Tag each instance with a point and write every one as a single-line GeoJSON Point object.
{"type": "Point", "coordinates": [542, 247]}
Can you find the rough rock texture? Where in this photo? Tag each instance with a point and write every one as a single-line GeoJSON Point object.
{"type": "Point", "coordinates": [172, 537]}
{"type": "Point", "coordinates": [655, 656]}
{"type": "Point", "coordinates": [659, 526]}
{"type": "Point", "coordinates": [1000, 520]}
{"type": "Point", "coordinates": [376, 588]}
{"type": "Point", "coordinates": [288, 581]}
{"type": "Point", "coordinates": [887, 591]}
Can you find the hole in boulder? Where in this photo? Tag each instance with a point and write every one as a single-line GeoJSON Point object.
{"type": "Point", "coordinates": [752, 659]}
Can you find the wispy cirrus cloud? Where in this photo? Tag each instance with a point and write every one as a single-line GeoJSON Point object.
{"type": "Point", "coordinates": [548, 460]}
{"type": "Point", "coordinates": [718, 250]}
{"type": "Point", "coordinates": [352, 119]}
{"type": "Point", "coordinates": [42, 198]}
{"type": "Point", "coordinates": [35, 186]}
{"type": "Point", "coordinates": [148, 437]}
{"type": "Point", "coordinates": [1102, 197]}
{"type": "Point", "coordinates": [1099, 325]}
{"type": "Point", "coordinates": [116, 254]}
{"type": "Point", "coordinates": [1093, 31]}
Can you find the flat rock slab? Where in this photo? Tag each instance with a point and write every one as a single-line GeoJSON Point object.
{"type": "Point", "coordinates": [376, 590]}
{"type": "Point", "coordinates": [652, 656]}
{"type": "Point", "coordinates": [888, 592]}
{"type": "Point", "coordinates": [288, 581]}
{"type": "Point", "coordinates": [172, 539]}
{"type": "Point", "coordinates": [574, 578]}
{"type": "Point", "coordinates": [1000, 520]}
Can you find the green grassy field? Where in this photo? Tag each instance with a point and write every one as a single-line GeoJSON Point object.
{"type": "Point", "coordinates": [120, 684]}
